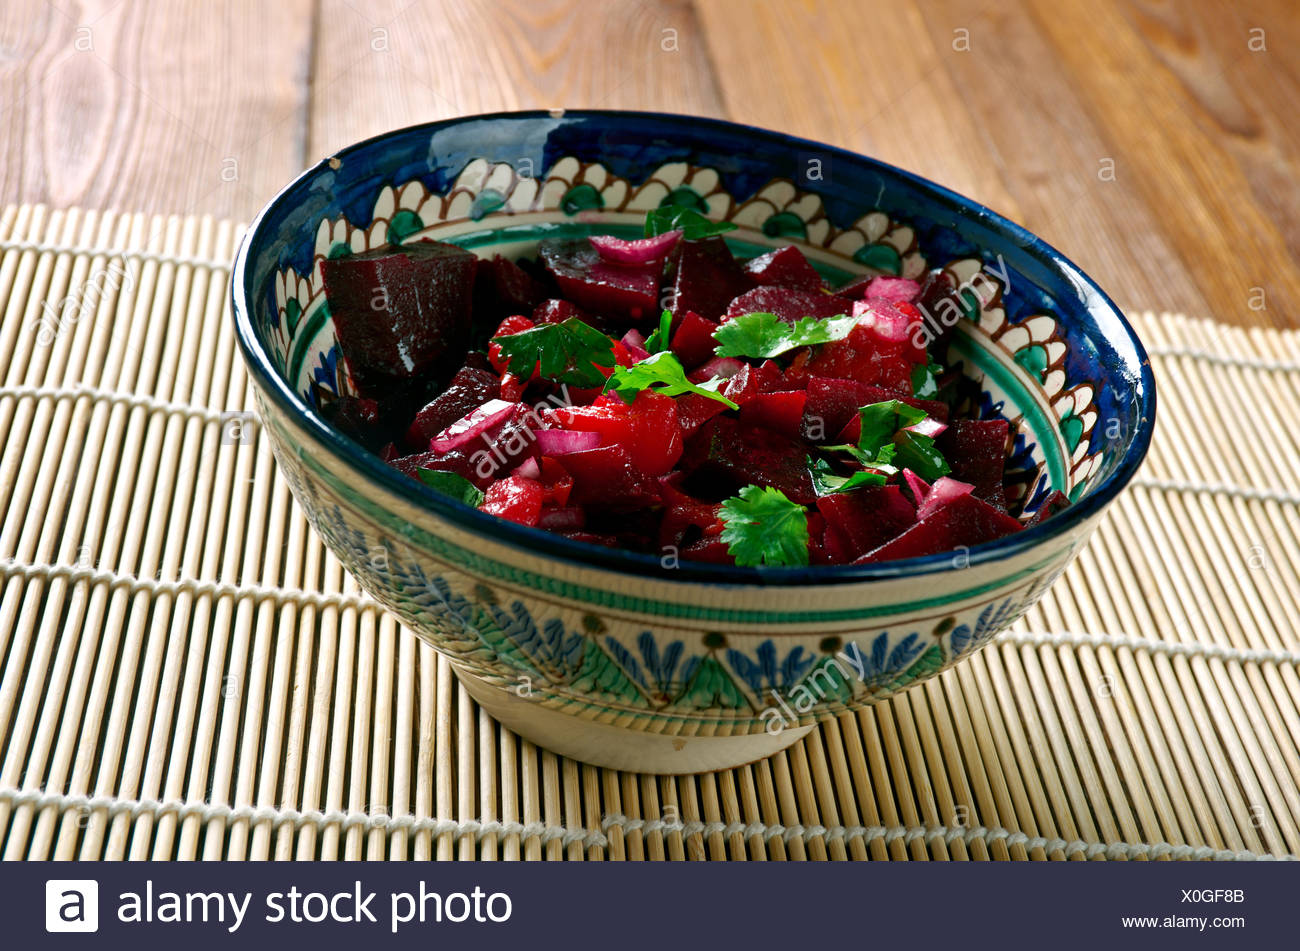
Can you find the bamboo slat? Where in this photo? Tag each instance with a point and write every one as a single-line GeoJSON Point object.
{"type": "Point", "coordinates": [186, 672]}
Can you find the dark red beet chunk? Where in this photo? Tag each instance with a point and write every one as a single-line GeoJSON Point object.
{"type": "Point", "coordinates": [456, 461]}
{"type": "Point", "coordinates": [692, 340]}
{"type": "Point", "coordinates": [782, 411]}
{"type": "Point", "coordinates": [733, 455]}
{"type": "Point", "coordinates": [694, 410]}
{"type": "Point", "coordinates": [501, 289]}
{"type": "Point", "coordinates": [607, 477]}
{"type": "Point", "coordinates": [784, 267]}
{"type": "Point", "coordinates": [469, 389]}
{"type": "Point", "coordinates": [753, 380]}
{"type": "Point", "coordinates": [707, 279]}
{"type": "Point", "coordinates": [555, 311]}
{"type": "Point", "coordinates": [353, 416]}
{"type": "Point", "coordinates": [963, 522]}
{"type": "Point", "coordinates": [861, 521]}
{"type": "Point", "coordinates": [976, 449]}
{"type": "Point", "coordinates": [789, 305]}
{"type": "Point", "coordinates": [397, 312]}
{"type": "Point", "coordinates": [622, 292]}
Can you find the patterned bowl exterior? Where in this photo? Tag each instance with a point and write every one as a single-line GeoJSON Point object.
{"type": "Point", "coordinates": [622, 638]}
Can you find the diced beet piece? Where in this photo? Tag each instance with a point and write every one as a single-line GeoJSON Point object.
{"type": "Point", "coordinates": [1057, 501]}
{"type": "Point", "coordinates": [389, 452]}
{"type": "Point", "coordinates": [647, 428]}
{"type": "Point", "coordinates": [692, 340]}
{"type": "Point", "coordinates": [963, 522]}
{"type": "Point", "coordinates": [831, 400]}
{"type": "Point", "coordinates": [976, 450]}
{"type": "Point", "coordinates": [784, 267]}
{"type": "Point", "coordinates": [694, 410]}
{"type": "Point", "coordinates": [707, 278]}
{"type": "Point", "coordinates": [731, 455]}
{"type": "Point", "coordinates": [855, 289]}
{"type": "Point", "coordinates": [862, 520]}
{"type": "Point", "coordinates": [468, 389]}
{"type": "Point", "coordinates": [458, 461]}
{"type": "Point", "coordinates": [859, 356]}
{"type": "Point", "coordinates": [515, 499]}
{"type": "Point", "coordinates": [781, 411]}
{"type": "Point", "coordinates": [567, 519]}
{"type": "Point", "coordinates": [894, 326]}
{"type": "Point", "coordinates": [753, 380]}
{"type": "Point", "coordinates": [712, 549]}
{"type": "Point", "coordinates": [397, 312]}
{"type": "Point", "coordinates": [831, 404]}
{"type": "Point", "coordinates": [556, 311]}
{"type": "Point", "coordinates": [686, 519]}
{"type": "Point", "coordinates": [607, 477]}
{"type": "Point", "coordinates": [893, 289]}
{"type": "Point", "coordinates": [356, 417]}
{"type": "Point", "coordinates": [789, 305]}
{"type": "Point", "coordinates": [619, 292]}
{"type": "Point", "coordinates": [502, 288]}
{"type": "Point", "coordinates": [556, 480]}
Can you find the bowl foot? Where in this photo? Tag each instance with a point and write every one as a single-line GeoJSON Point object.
{"type": "Point", "coordinates": [601, 744]}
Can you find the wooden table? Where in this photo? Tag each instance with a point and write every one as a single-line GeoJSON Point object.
{"type": "Point", "coordinates": [1155, 143]}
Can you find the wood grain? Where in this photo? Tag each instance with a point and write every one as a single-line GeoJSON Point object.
{"type": "Point", "coordinates": [1027, 106]}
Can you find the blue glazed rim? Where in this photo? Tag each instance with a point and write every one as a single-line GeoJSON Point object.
{"type": "Point", "coordinates": [1083, 300]}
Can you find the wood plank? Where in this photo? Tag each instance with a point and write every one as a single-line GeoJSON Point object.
{"type": "Point", "coordinates": [1054, 158]}
{"type": "Point", "coordinates": [827, 71]}
{"type": "Point", "coordinates": [384, 65]}
{"type": "Point", "coordinates": [152, 108]}
{"type": "Point", "coordinates": [1175, 149]}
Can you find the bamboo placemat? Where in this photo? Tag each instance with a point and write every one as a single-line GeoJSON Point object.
{"type": "Point", "coordinates": [186, 672]}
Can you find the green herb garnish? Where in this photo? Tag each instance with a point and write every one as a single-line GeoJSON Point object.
{"type": "Point", "coordinates": [925, 380]}
{"type": "Point", "coordinates": [919, 453]}
{"type": "Point", "coordinates": [568, 352]}
{"type": "Point", "coordinates": [449, 483]}
{"type": "Point", "coordinates": [690, 222]}
{"type": "Point", "coordinates": [826, 481]}
{"type": "Point", "coordinates": [886, 439]}
{"type": "Point", "coordinates": [662, 373]}
{"type": "Point", "coordinates": [763, 527]}
{"type": "Point", "coordinates": [657, 342]}
{"type": "Point", "coordinates": [761, 336]}
{"type": "Point", "coordinates": [880, 421]}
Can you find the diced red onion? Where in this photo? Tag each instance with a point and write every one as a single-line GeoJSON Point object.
{"type": "Point", "coordinates": [893, 289]}
{"type": "Point", "coordinates": [885, 322]}
{"type": "Point", "coordinates": [557, 442]}
{"type": "Point", "coordinates": [471, 425]}
{"type": "Point", "coordinates": [927, 427]}
{"type": "Point", "coordinates": [529, 469]}
{"type": "Point", "coordinates": [718, 368]}
{"type": "Point", "coordinates": [641, 251]}
{"type": "Point", "coordinates": [945, 490]}
{"type": "Point", "coordinates": [634, 343]}
{"type": "Point", "coordinates": [919, 487]}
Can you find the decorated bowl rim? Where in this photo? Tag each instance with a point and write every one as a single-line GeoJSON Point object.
{"type": "Point", "coordinates": [550, 545]}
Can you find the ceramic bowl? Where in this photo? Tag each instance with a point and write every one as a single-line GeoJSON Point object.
{"type": "Point", "coordinates": [617, 658]}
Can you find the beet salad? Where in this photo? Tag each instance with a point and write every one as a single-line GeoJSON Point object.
{"type": "Point", "coordinates": [662, 395]}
